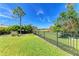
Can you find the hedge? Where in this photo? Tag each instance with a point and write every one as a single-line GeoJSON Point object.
{"type": "Point", "coordinates": [7, 30]}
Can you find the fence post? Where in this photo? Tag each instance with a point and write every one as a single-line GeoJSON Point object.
{"type": "Point", "coordinates": [76, 45]}
{"type": "Point", "coordinates": [38, 32]}
{"type": "Point", "coordinates": [73, 40]}
{"type": "Point", "coordinates": [69, 40]}
{"type": "Point", "coordinates": [35, 32]}
{"type": "Point", "coordinates": [44, 34]}
{"type": "Point", "coordinates": [57, 38]}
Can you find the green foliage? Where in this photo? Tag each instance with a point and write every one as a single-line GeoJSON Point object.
{"type": "Point", "coordinates": [67, 21]}
{"type": "Point", "coordinates": [56, 28]}
{"type": "Point", "coordinates": [8, 30]}
{"type": "Point", "coordinates": [35, 29]}
{"type": "Point", "coordinates": [14, 28]}
{"type": "Point", "coordinates": [27, 28]}
{"type": "Point", "coordinates": [18, 12]}
{"type": "Point", "coordinates": [4, 30]}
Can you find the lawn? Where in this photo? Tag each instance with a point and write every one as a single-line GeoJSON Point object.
{"type": "Point", "coordinates": [66, 41]}
{"type": "Point", "coordinates": [28, 45]}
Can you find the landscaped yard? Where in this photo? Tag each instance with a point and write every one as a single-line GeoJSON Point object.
{"type": "Point", "coordinates": [28, 45]}
{"type": "Point", "coordinates": [66, 41]}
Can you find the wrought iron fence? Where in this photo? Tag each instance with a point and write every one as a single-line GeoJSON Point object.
{"type": "Point", "coordinates": [66, 41]}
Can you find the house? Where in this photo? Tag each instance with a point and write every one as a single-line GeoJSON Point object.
{"type": "Point", "coordinates": [2, 25]}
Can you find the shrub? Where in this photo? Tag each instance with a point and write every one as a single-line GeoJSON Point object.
{"type": "Point", "coordinates": [8, 30]}
{"type": "Point", "coordinates": [3, 30]}
{"type": "Point", "coordinates": [64, 35]}
{"type": "Point", "coordinates": [27, 29]}
{"type": "Point", "coordinates": [14, 28]}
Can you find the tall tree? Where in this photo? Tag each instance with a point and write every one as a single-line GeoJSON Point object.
{"type": "Point", "coordinates": [68, 19]}
{"type": "Point", "coordinates": [72, 17]}
{"type": "Point", "coordinates": [18, 11]}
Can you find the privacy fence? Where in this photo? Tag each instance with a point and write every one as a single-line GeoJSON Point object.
{"type": "Point", "coordinates": [66, 41]}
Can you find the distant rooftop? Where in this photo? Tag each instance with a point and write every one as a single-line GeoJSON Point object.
{"type": "Point", "coordinates": [2, 25]}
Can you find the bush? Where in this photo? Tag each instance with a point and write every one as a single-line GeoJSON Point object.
{"type": "Point", "coordinates": [27, 29]}
{"type": "Point", "coordinates": [3, 30]}
{"type": "Point", "coordinates": [8, 30]}
{"type": "Point", "coordinates": [64, 35]}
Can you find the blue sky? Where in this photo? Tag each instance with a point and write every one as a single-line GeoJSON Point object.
{"type": "Point", "coordinates": [41, 15]}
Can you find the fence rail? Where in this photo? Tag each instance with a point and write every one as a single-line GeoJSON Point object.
{"type": "Point", "coordinates": [68, 44]}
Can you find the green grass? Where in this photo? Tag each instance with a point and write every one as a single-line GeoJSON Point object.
{"type": "Point", "coordinates": [65, 41]}
{"type": "Point", "coordinates": [27, 45]}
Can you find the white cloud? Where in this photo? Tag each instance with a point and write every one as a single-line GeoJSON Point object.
{"type": "Point", "coordinates": [40, 12]}
{"type": "Point", "coordinates": [7, 9]}
{"type": "Point", "coordinates": [42, 19]}
{"type": "Point", "coordinates": [7, 13]}
{"type": "Point", "coordinates": [5, 16]}
{"type": "Point", "coordinates": [48, 20]}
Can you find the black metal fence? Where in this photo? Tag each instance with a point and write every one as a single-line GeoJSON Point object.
{"type": "Point", "coordinates": [67, 42]}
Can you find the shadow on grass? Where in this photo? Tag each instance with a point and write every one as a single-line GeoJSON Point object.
{"type": "Point", "coordinates": [62, 46]}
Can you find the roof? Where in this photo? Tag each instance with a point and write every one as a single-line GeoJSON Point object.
{"type": "Point", "coordinates": [1, 25]}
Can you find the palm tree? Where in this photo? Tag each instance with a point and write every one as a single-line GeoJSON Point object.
{"type": "Point", "coordinates": [18, 11]}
